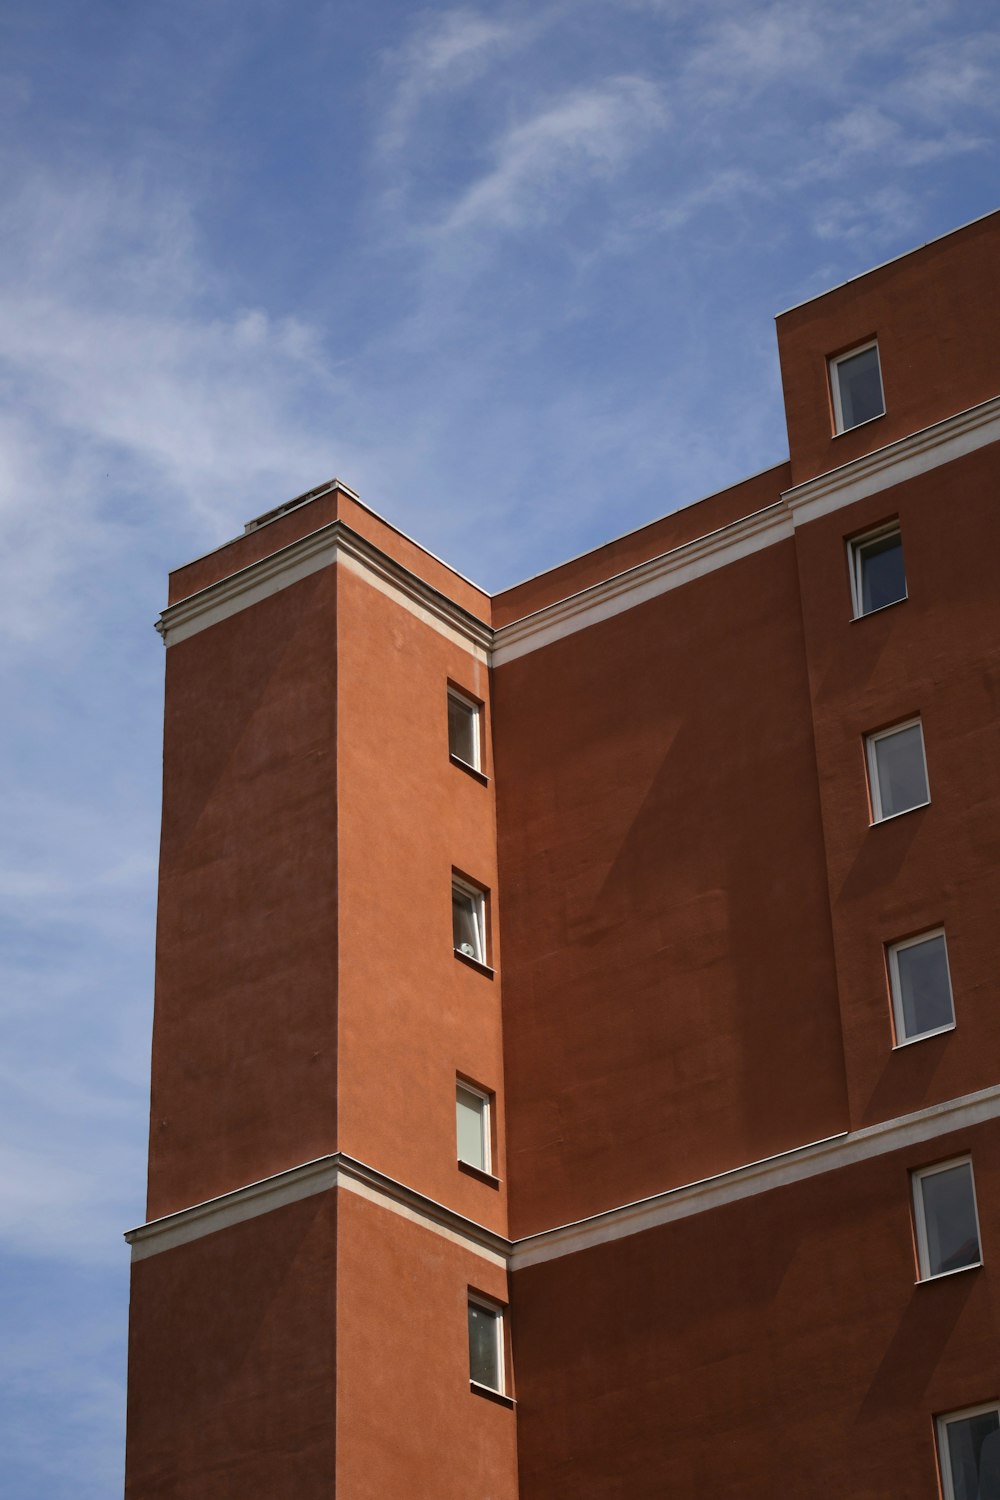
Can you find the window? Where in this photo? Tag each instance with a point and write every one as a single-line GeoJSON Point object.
{"type": "Point", "coordinates": [485, 1345]}
{"type": "Point", "coordinates": [463, 729]}
{"type": "Point", "coordinates": [969, 1452]}
{"type": "Point", "coordinates": [468, 920]}
{"type": "Point", "coordinates": [921, 986]}
{"type": "Point", "coordinates": [877, 574]}
{"type": "Point", "coordinates": [472, 1127]}
{"type": "Point", "coordinates": [944, 1206]}
{"type": "Point", "coordinates": [856, 384]}
{"type": "Point", "coordinates": [897, 770]}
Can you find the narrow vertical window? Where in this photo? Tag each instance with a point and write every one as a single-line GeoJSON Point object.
{"type": "Point", "coordinates": [969, 1453]}
{"type": "Point", "coordinates": [856, 387]}
{"type": "Point", "coordinates": [472, 1127]}
{"type": "Point", "coordinates": [897, 770]}
{"type": "Point", "coordinates": [485, 1345]}
{"type": "Point", "coordinates": [921, 987]}
{"type": "Point", "coordinates": [464, 733]}
{"type": "Point", "coordinates": [468, 920]}
{"type": "Point", "coordinates": [947, 1225]}
{"type": "Point", "coordinates": [878, 577]}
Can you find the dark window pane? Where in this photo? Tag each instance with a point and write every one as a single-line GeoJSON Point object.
{"type": "Point", "coordinates": [950, 1220]}
{"type": "Point", "coordinates": [902, 780]}
{"type": "Point", "coordinates": [924, 986]}
{"type": "Point", "coordinates": [484, 1346]}
{"type": "Point", "coordinates": [860, 387]}
{"type": "Point", "coordinates": [883, 579]}
{"type": "Point", "coordinates": [974, 1456]}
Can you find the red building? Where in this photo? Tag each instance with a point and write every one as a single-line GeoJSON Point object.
{"type": "Point", "coordinates": [575, 1064]}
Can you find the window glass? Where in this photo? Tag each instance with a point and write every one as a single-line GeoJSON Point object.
{"type": "Point", "coordinates": [468, 922]}
{"type": "Point", "coordinates": [879, 577]}
{"type": "Point", "coordinates": [922, 987]}
{"type": "Point", "coordinates": [472, 1117]}
{"type": "Point", "coordinates": [949, 1216]}
{"type": "Point", "coordinates": [859, 386]}
{"type": "Point", "coordinates": [972, 1458]}
{"type": "Point", "coordinates": [484, 1346]}
{"type": "Point", "coordinates": [899, 772]}
{"type": "Point", "coordinates": [463, 729]}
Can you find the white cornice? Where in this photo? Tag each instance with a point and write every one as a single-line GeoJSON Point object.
{"type": "Point", "coordinates": [647, 580]}
{"type": "Point", "coordinates": [340, 1171]}
{"type": "Point", "coordinates": [336, 543]}
{"type": "Point", "coordinates": [329, 545]}
{"type": "Point", "coordinates": [894, 464]}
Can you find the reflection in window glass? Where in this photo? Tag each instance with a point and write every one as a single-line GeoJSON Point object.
{"type": "Point", "coordinates": [898, 771]}
{"type": "Point", "coordinates": [858, 388]}
{"type": "Point", "coordinates": [484, 1346]}
{"type": "Point", "coordinates": [921, 986]}
{"type": "Point", "coordinates": [971, 1456]}
{"type": "Point", "coordinates": [950, 1228]}
{"type": "Point", "coordinates": [879, 575]}
{"type": "Point", "coordinates": [463, 729]}
{"type": "Point", "coordinates": [468, 922]}
{"type": "Point", "coordinates": [472, 1126]}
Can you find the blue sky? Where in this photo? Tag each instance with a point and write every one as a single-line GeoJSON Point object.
{"type": "Point", "coordinates": [510, 271]}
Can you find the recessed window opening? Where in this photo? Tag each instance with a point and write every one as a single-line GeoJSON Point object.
{"type": "Point", "coordinates": [486, 1345]}
{"type": "Point", "coordinates": [969, 1452]}
{"type": "Point", "coordinates": [856, 386]}
{"type": "Point", "coordinates": [920, 982]}
{"type": "Point", "coordinates": [897, 770]}
{"type": "Point", "coordinates": [947, 1225]}
{"type": "Point", "coordinates": [464, 729]}
{"type": "Point", "coordinates": [468, 919]}
{"type": "Point", "coordinates": [472, 1127]}
{"type": "Point", "coordinates": [878, 577]}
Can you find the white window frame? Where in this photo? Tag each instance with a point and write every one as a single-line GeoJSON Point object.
{"type": "Point", "coordinates": [475, 1299]}
{"type": "Point", "coordinates": [466, 888]}
{"type": "Point", "coordinates": [874, 791]}
{"type": "Point", "coordinates": [900, 1038]}
{"type": "Point", "coordinates": [486, 1099]}
{"type": "Point", "coordinates": [944, 1455]}
{"type": "Point", "coordinates": [475, 710]}
{"type": "Point", "coordinates": [920, 1218]}
{"type": "Point", "coordinates": [833, 366]}
{"type": "Point", "coordinates": [855, 547]}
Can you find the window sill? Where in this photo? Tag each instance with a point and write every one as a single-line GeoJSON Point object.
{"type": "Point", "coordinates": [977, 1265]}
{"type": "Point", "coordinates": [858, 425]}
{"type": "Point", "coordinates": [924, 1036]}
{"type": "Point", "coordinates": [891, 818]}
{"type": "Point", "coordinates": [491, 1394]}
{"type": "Point", "coordinates": [463, 765]}
{"type": "Point", "coordinates": [880, 610]}
{"type": "Point", "coordinates": [478, 1173]}
{"type": "Point", "coordinates": [474, 963]}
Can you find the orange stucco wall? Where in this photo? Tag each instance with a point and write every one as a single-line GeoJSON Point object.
{"type": "Point", "coordinates": [776, 1346]}
{"type": "Point", "coordinates": [244, 1067]}
{"type": "Point", "coordinates": [670, 1001]}
{"type": "Point", "coordinates": [232, 1361]}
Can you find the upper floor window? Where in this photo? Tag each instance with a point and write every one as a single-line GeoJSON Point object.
{"type": "Point", "coordinates": [921, 987]}
{"type": "Point", "coordinates": [944, 1209]}
{"type": "Point", "coordinates": [856, 386]}
{"type": "Point", "coordinates": [878, 577]}
{"type": "Point", "coordinates": [472, 1127]}
{"type": "Point", "coordinates": [969, 1450]}
{"type": "Point", "coordinates": [897, 770]}
{"type": "Point", "coordinates": [464, 733]}
{"type": "Point", "coordinates": [468, 919]}
{"type": "Point", "coordinates": [486, 1357]}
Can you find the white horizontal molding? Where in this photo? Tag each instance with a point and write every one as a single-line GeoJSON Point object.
{"type": "Point", "coordinates": [347, 1174]}
{"type": "Point", "coordinates": [647, 580]}
{"type": "Point", "coordinates": [758, 1177]}
{"type": "Point", "coordinates": [326, 1173]}
{"type": "Point", "coordinates": [329, 545]}
{"type": "Point", "coordinates": [896, 462]}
